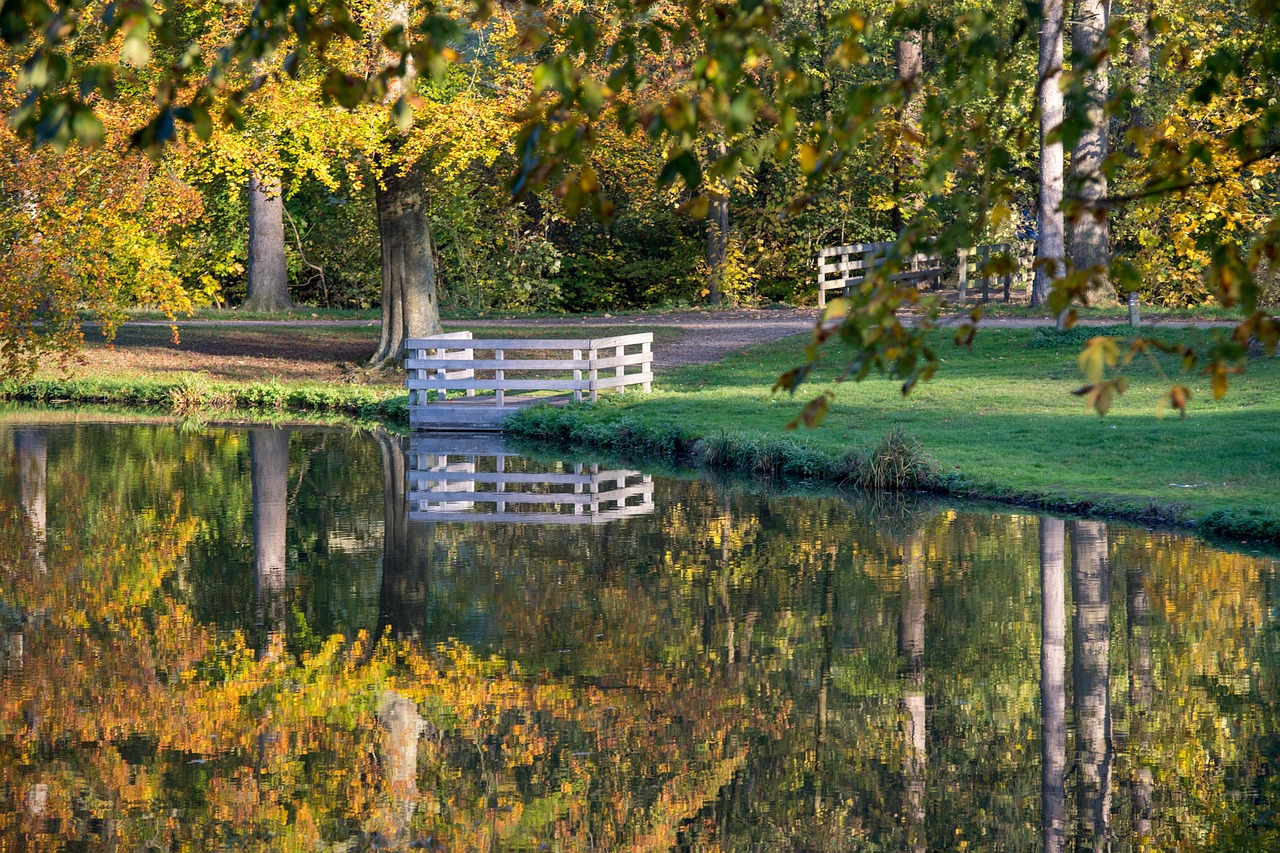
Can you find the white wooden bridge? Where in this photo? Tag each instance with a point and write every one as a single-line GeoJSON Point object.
{"type": "Point", "coordinates": [457, 382]}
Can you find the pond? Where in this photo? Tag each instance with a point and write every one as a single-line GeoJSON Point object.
{"type": "Point", "coordinates": [308, 638]}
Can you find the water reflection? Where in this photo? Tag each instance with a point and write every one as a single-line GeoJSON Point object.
{"type": "Point", "coordinates": [478, 479]}
{"type": "Point", "coordinates": [257, 639]}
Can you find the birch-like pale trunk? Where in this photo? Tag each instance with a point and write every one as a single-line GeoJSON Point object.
{"type": "Point", "coordinates": [1090, 234]}
{"type": "Point", "coordinates": [269, 472]}
{"type": "Point", "coordinates": [1050, 228]}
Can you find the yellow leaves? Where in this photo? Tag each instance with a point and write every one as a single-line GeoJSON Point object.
{"type": "Point", "coordinates": [808, 158]}
{"type": "Point", "coordinates": [1177, 398]}
{"type": "Point", "coordinates": [1098, 354]}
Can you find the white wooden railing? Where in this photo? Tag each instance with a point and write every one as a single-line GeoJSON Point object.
{"type": "Point", "coordinates": [456, 369]}
{"type": "Point", "coordinates": [480, 484]}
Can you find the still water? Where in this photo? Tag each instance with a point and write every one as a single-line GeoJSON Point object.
{"type": "Point", "coordinates": [302, 639]}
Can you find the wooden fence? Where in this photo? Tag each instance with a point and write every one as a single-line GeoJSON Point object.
{"type": "Point", "coordinates": [458, 382]}
{"type": "Point", "coordinates": [844, 267]}
{"type": "Point", "coordinates": [477, 482]}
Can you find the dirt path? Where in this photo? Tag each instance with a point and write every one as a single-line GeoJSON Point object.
{"type": "Point", "coordinates": [328, 350]}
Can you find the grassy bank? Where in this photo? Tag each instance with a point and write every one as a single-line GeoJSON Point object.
{"type": "Point", "coordinates": [197, 398]}
{"type": "Point", "coordinates": [998, 422]}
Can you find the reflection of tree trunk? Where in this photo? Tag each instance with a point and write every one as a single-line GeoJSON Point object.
{"type": "Point", "coordinates": [824, 683]}
{"type": "Point", "coordinates": [915, 599]}
{"type": "Point", "coordinates": [269, 467]}
{"type": "Point", "coordinates": [402, 726]}
{"type": "Point", "coordinates": [1053, 686]}
{"type": "Point", "coordinates": [1140, 692]}
{"type": "Point", "coordinates": [1091, 647]}
{"type": "Point", "coordinates": [32, 449]}
{"type": "Point", "coordinates": [406, 550]}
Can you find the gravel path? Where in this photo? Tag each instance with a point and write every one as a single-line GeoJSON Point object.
{"type": "Point", "coordinates": [705, 336]}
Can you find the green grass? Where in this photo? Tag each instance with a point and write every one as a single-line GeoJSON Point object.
{"type": "Point", "coordinates": [1118, 313]}
{"type": "Point", "coordinates": [301, 312]}
{"type": "Point", "coordinates": [999, 421]}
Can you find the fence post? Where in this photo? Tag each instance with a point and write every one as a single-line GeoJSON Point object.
{"type": "Point", "coordinates": [442, 374]}
{"type": "Point", "coordinates": [577, 377]}
{"type": "Point", "coordinates": [646, 365]}
{"type": "Point", "coordinates": [592, 372]}
{"type": "Point", "coordinates": [621, 370]}
{"type": "Point", "coordinates": [985, 260]}
{"type": "Point", "coordinates": [498, 376]}
{"type": "Point", "coordinates": [963, 281]}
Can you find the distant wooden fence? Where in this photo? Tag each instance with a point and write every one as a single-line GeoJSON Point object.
{"type": "Point", "coordinates": [841, 268]}
{"type": "Point", "coordinates": [451, 481]}
{"type": "Point", "coordinates": [487, 378]}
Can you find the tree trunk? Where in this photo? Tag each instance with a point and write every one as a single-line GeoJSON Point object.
{"type": "Point", "coordinates": [268, 288]}
{"type": "Point", "coordinates": [1053, 686]}
{"type": "Point", "coordinates": [1050, 241]}
{"type": "Point", "coordinates": [909, 59]}
{"type": "Point", "coordinates": [1090, 243]}
{"type": "Point", "coordinates": [407, 552]}
{"type": "Point", "coordinates": [402, 726]}
{"type": "Point", "coordinates": [269, 471]}
{"type": "Point", "coordinates": [1091, 665]}
{"type": "Point", "coordinates": [409, 299]}
{"type": "Point", "coordinates": [717, 235]}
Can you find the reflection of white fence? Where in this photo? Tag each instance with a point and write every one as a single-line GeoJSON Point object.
{"type": "Point", "coordinates": [486, 382]}
{"type": "Point", "coordinates": [453, 481]}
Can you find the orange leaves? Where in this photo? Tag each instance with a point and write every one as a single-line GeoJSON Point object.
{"type": "Point", "coordinates": [1100, 395]}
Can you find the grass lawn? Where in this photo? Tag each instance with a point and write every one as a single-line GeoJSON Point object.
{"type": "Point", "coordinates": [1001, 421]}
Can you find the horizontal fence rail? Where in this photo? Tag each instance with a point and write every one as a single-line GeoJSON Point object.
{"type": "Point", "coordinates": [478, 487]}
{"type": "Point", "coordinates": [841, 268]}
{"type": "Point", "coordinates": [457, 369]}
{"type": "Point", "coordinates": [844, 267]}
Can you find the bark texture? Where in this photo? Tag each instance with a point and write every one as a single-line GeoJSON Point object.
{"type": "Point", "coordinates": [909, 61]}
{"type": "Point", "coordinates": [1091, 674]}
{"type": "Point", "coordinates": [1090, 243]}
{"type": "Point", "coordinates": [1050, 228]}
{"type": "Point", "coordinates": [409, 300]}
{"type": "Point", "coordinates": [717, 234]}
{"type": "Point", "coordinates": [268, 276]}
{"type": "Point", "coordinates": [1053, 685]}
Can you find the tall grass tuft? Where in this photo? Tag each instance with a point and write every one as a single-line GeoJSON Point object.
{"type": "Point", "coordinates": [899, 462]}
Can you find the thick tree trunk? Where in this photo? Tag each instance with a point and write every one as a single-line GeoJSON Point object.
{"type": "Point", "coordinates": [402, 726]}
{"type": "Point", "coordinates": [911, 623]}
{"type": "Point", "coordinates": [1050, 228]}
{"type": "Point", "coordinates": [269, 471]}
{"type": "Point", "coordinates": [32, 449]}
{"type": "Point", "coordinates": [409, 300]}
{"type": "Point", "coordinates": [407, 552]}
{"type": "Point", "coordinates": [268, 288]}
{"type": "Point", "coordinates": [1091, 665]}
{"type": "Point", "coordinates": [1053, 685]}
{"type": "Point", "coordinates": [909, 60]}
{"type": "Point", "coordinates": [1090, 243]}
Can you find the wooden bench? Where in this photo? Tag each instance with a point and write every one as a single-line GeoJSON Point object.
{"type": "Point", "coordinates": [476, 479]}
{"type": "Point", "coordinates": [488, 378]}
{"type": "Point", "coordinates": [844, 267]}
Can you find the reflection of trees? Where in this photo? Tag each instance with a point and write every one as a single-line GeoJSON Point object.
{"type": "Point", "coordinates": [1053, 688]}
{"type": "Point", "coordinates": [735, 672]}
{"type": "Point", "coordinates": [31, 447]}
{"type": "Point", "coordinates": [1091, 673]}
